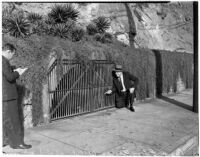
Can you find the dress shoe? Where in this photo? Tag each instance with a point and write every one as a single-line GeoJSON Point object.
{"type": "Point", "coordinates": [132, 109]}
{"type": "Point", "coordinates": [22, 146]}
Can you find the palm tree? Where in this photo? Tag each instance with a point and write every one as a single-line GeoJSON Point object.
{"type": "Point", "coordinates": [62, 13]}
{"type": "Point", "coordinates": [17, 25]}
{"type": "Point", "coordinates": [102, 24]}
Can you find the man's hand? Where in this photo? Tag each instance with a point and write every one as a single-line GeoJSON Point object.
{"type": "Point", "coordinates": [131, 90]}
{"type": "Point", "coordinates": [20, 70]}
{"type": "Point", "coordinates": [108, 92]}
{"type": "Point", "coordinates": [123, 90]}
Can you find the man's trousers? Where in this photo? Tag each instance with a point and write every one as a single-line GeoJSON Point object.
{"type": "Point", "coordinates": [12, 125]}
{"type": "Point", "coordinates": [124, 99]}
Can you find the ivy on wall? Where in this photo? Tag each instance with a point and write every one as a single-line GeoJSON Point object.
{"type": "Point", "coordinates": [156, 69]}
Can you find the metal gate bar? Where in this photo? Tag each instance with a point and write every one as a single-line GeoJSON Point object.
{"type": "Point", "coordinates": [80, 89]}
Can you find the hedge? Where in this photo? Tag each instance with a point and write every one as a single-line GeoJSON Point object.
{"type": "Point", "coordinates": [34, 51]}
{"type": "Point", "coordinates": [171, 65]}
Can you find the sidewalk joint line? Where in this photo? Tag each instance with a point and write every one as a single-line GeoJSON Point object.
{"type": "Point", "coordinates": [66, 143]}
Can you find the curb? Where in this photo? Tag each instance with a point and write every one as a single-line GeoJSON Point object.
{"type": "Point", "coordinates": [184, 147]}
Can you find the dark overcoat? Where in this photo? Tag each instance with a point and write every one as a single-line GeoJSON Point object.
{"type": "Point", "coordinates": [12, 125]}
{"type": "Point", "coordinates": [129, 82]}
{"type": "Point", "coordinates": [9, 77]}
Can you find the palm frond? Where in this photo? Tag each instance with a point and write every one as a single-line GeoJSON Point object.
{"type": "Point", "coordinates": [77, 34]}
{"type": "Point", "coordinates": [62, 13]}
{"type": "Point", "coordinates": [91, 29]}
{"type": "Point", "coordinates": [34, 17]}
{"type": "Point", "coordinates": [62, 30]}
{"type": "Point", "coordinates": [102, 24]}
{"type": "Point", "coordinates": [17, 26]}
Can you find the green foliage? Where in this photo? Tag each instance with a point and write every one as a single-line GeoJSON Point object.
{"type": "Point", "coordinates": [103, 38]}
{"type": "Point", "coordinates": [49, 21]}
{"type": "Point", "coordinates": [143, 64]}
{"type": "Point", "coordinates": [77, 34]}
{"type": "Point", "coordinates": [108, 36]}
{"type": "Point", "coordinates": [91, 29]}
{"type": "Point", "coordinates": [34, 51]}
{"type": "Point", "coordinates": [99, 37]}
{"type": "Point", "coordinates": [175, 65]}
{"type": "Point", "coordinates": [16, 25]}
{"type": "Point", "coordinates": [62, 13]}
{"type": "Point", "coordinates": [6, 14]}
{"type": "Point", "coordinates": [34, 18]}
{"type": "Point", "coordinates": [60, 21]}
{"type": "Point", "coordinates": [102, 24]}
{"type": "Point", "coordinates": [98, 25]}
{"type": "Point", "coordinates": [37, 24]}
{"type": "Point", "coordinates": [62, 30]}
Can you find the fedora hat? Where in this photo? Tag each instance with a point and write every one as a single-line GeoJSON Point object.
{"type": "Point", "coordinates": [118, 68]}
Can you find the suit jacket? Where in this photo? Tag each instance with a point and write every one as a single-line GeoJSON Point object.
{"type": "Point", "coordinates": [9, 77]}
{"type": "Point", "coordinates": [129, 82]}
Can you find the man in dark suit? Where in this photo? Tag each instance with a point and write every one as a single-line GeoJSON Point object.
{"type": "Point", "coordinates": [124, 86]}
{"type": "Point", "coordinates": [12, 129]}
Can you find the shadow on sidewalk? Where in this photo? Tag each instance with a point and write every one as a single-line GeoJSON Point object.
{"type": "Point", "coordinates": [177, 103]}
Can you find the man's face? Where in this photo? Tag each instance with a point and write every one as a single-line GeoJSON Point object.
{"type": "Point", "coordinates": [118, 73]}
{"type": "Point", "coordinates": [10, 54]}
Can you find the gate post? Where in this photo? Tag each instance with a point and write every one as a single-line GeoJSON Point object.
{"type": "Point", "coordinates": [45, 104]}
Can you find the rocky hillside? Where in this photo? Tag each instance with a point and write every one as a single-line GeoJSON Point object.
{"type": "Point", "coordinates": [167, 26]}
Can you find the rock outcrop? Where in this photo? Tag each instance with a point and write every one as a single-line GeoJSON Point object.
{"type": "Point", "coordinates": [167, 26]}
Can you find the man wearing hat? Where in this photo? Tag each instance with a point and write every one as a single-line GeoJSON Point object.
{"type": "Point", "coordinates": [124, 86]}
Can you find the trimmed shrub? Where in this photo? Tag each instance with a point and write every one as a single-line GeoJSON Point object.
{"type": "Point", "coordinates": [171, 66]}
{"type": "Point", "coordinates": [33, 52]}
{"type": "Point", "coordinates": [139, 62]}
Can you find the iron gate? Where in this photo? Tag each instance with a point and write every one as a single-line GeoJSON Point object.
{"type": "Point", "coordinates": [80, 89]}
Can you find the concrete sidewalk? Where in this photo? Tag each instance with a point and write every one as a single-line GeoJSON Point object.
{"type": "Point", "coordinates": [158, 127]}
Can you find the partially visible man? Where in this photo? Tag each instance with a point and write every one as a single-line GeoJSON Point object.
{"type": "Point", "coordinates": [12, 129]}
{"type": "Point", "coordinates": [124, 86]}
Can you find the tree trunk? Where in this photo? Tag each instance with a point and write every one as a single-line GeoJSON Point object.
{"type": "Point", "coordinates": [132, 27]}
